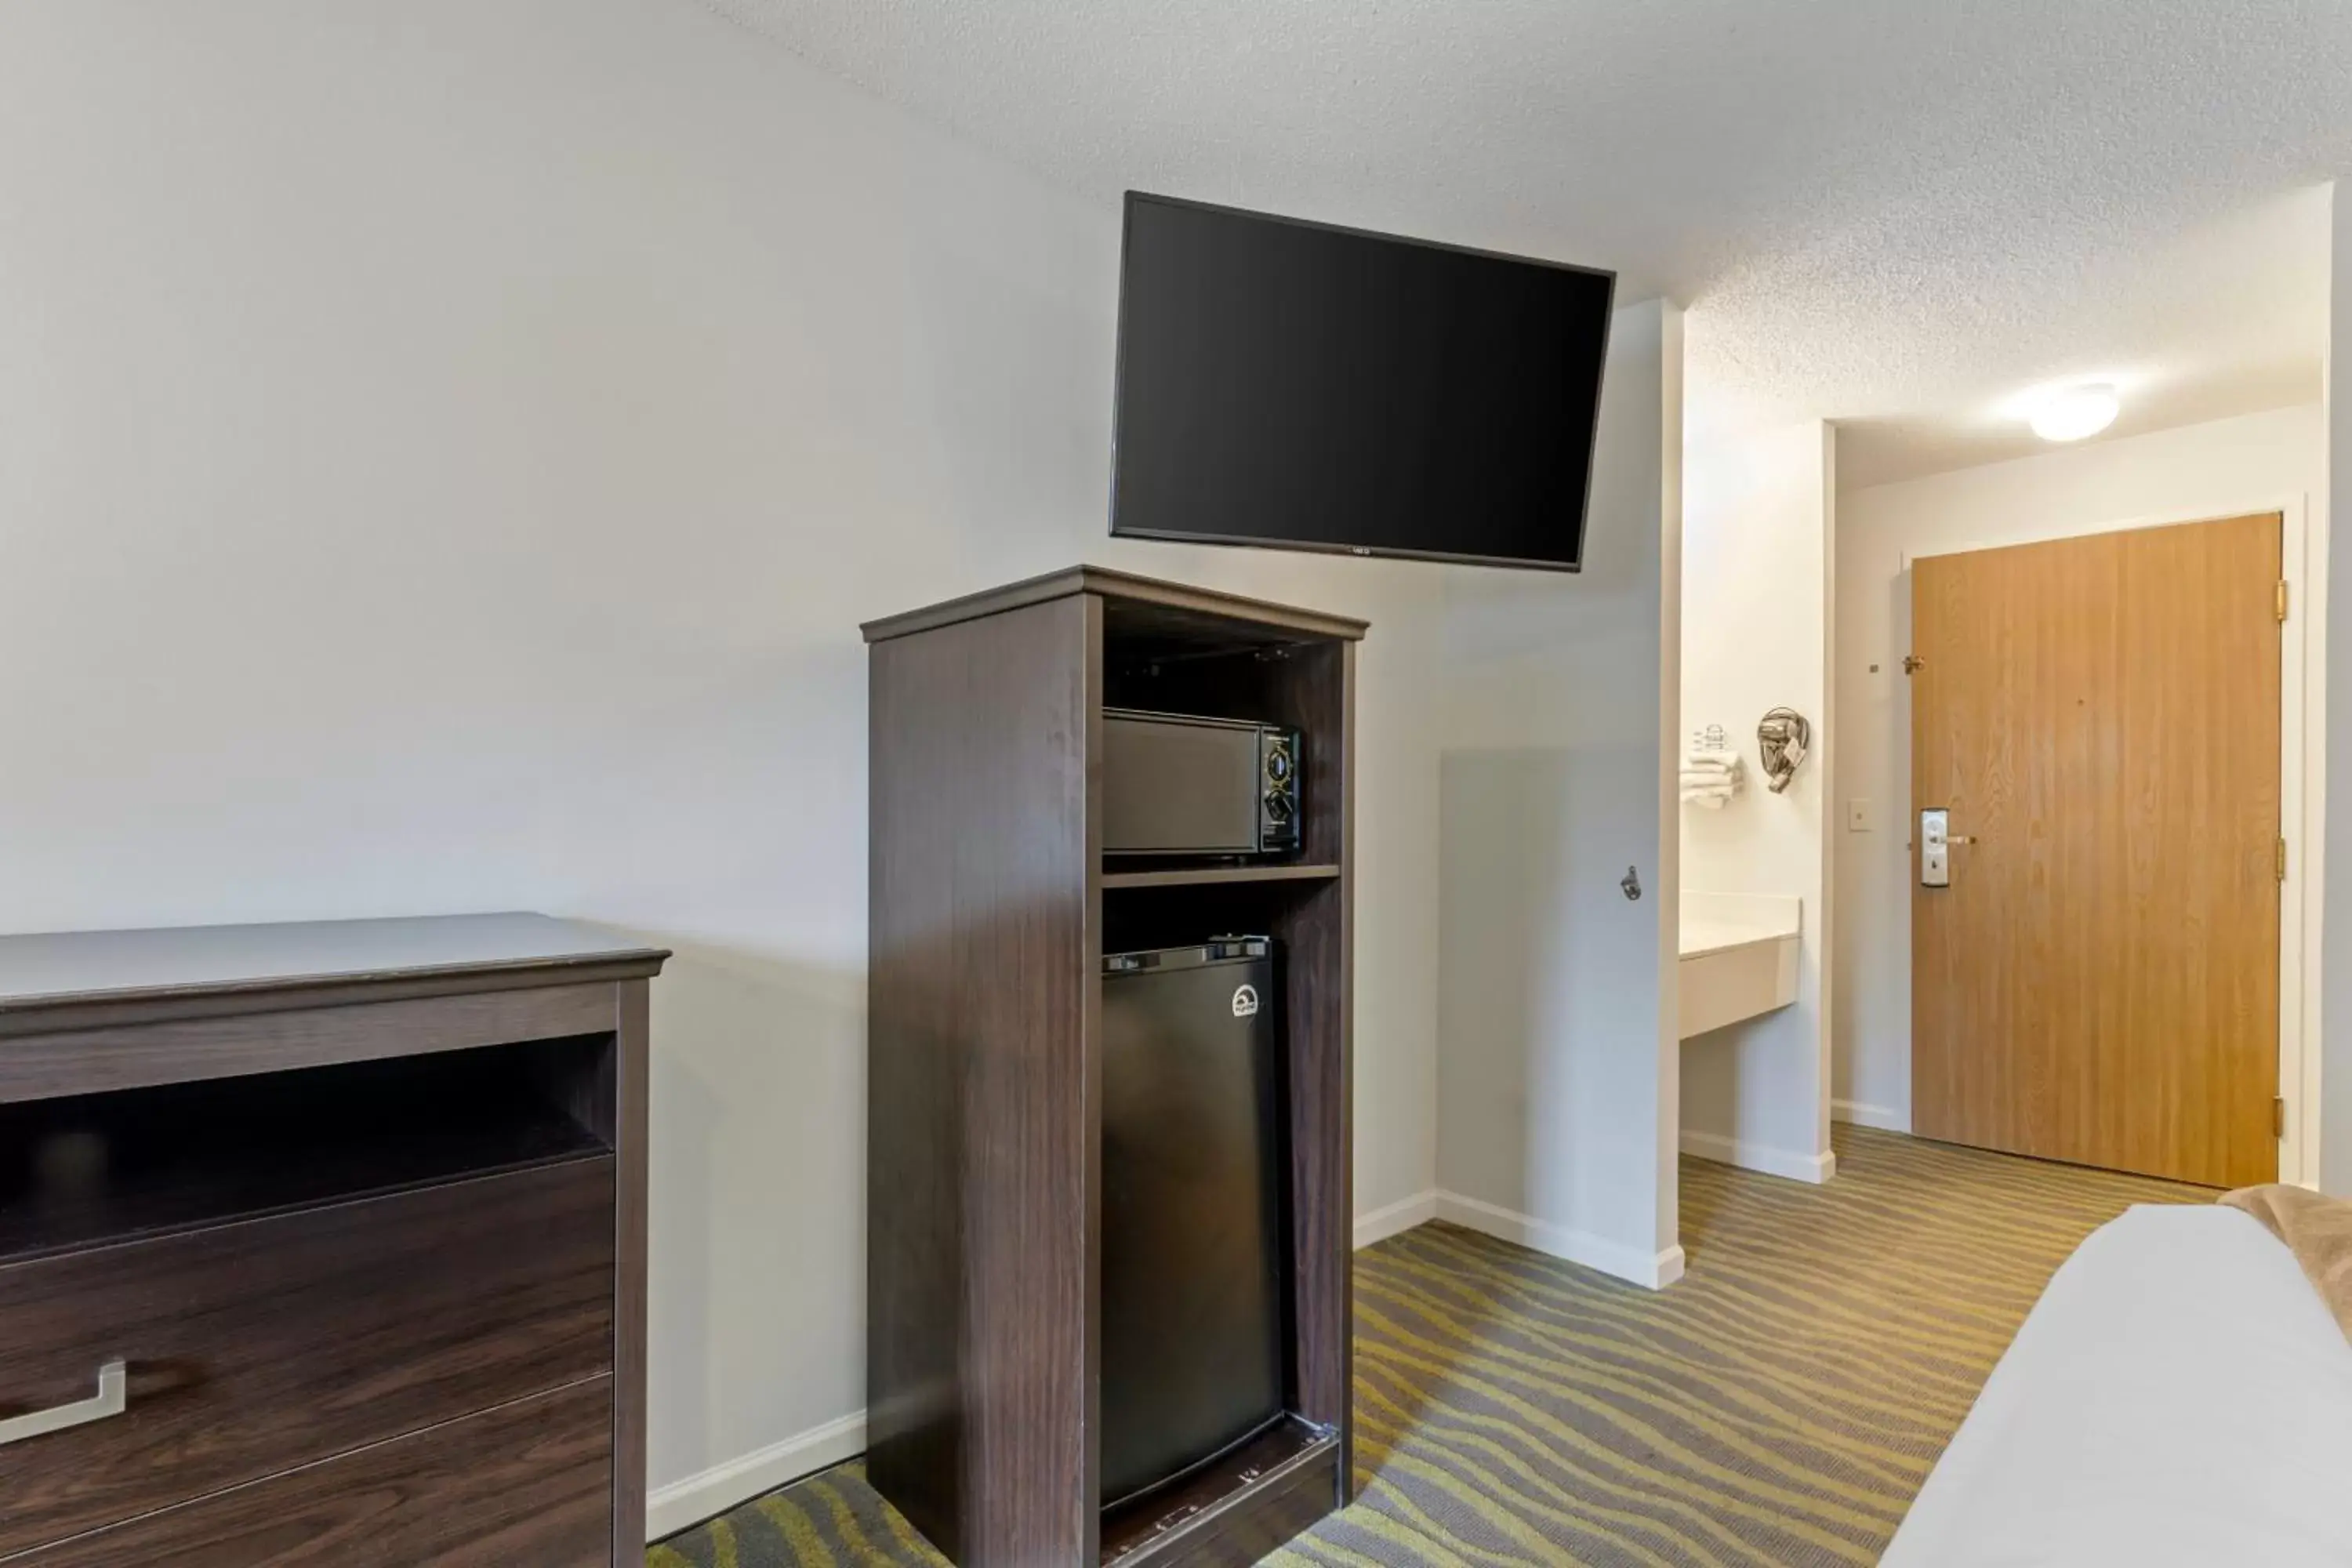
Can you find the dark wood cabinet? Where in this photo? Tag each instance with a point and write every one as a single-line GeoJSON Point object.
{"type": "Point", "coordinates": [357, 1210]}
{"type": "Point", "coordinates": [990, 911]}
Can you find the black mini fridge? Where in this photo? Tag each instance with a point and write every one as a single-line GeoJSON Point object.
{"type": "Point", "coordinates": [1194, 1315]}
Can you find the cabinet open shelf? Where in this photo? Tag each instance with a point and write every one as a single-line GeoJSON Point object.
{"type": "Point", "coordinates": [1204, 876]}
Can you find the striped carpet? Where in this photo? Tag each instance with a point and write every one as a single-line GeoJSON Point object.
{"type": "Point", "coordinates": [1780, 1406]}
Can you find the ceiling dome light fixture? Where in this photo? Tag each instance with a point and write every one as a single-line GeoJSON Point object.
{"type": "Point", "coordinates": [2075, 412]}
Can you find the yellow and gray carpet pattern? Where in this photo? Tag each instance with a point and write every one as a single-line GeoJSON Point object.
{"type": "Point", "coordinates": [1780, 1406]}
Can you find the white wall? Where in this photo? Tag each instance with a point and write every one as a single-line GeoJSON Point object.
{"type": "Point", "coordinates": [1757, 560]}
{"type": "Point", "coordinates": [1555, 993]}
{"type": "Point", "coordinates": [446, 449]}
{"type": "Point", "coordinates": [2255, 462]}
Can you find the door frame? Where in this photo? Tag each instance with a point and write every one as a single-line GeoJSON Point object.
{"type": "Point", "coordinates": [2303, 792]}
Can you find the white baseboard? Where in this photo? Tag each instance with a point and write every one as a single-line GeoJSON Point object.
{"type": "Point", "coordinates": [681, 1504]}
{"type": "Point", "coordinates": [1886, 1117]}
{"type": "Point", "coordinates": [1788, 1163]}
{"type": "Point", "coordinates": [1655, 1270]}
{"type": "Point", "coordinates": [685, 1503]}
{"type": "Point", "coordinates": [1396, 1218]}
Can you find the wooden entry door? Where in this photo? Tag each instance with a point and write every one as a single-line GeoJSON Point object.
{"type": "Point", "coordinates": [2099, 982]}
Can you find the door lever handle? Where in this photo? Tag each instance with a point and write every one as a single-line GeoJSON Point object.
{"type": "Point", "coordinates": [1957, 838]}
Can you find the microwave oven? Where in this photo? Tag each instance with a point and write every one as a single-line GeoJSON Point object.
{"type": "Point", "coordinates": [1176, 785]}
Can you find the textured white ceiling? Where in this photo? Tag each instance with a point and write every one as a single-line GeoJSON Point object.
{"type": "Point", "coordinates": [1895, 213]}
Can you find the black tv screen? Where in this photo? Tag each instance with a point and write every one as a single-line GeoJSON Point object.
{"type": "Point", "coordinates": [1306, 387]}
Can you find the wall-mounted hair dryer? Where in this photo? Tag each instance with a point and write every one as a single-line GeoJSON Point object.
{"type": "Point", "coordinates": [1784, 738]}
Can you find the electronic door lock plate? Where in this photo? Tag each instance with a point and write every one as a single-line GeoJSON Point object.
{"type": "Point", "coordinates": [1936, 847]}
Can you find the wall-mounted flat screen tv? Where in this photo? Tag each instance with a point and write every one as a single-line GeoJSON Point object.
{"type": "Point", "coordinates": [1304, 388]}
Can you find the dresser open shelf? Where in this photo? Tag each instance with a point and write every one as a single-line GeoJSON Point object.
{"type": "Point", "coordinates": [88, 1169]}
{"type": "Point", "coordinates": [991, 906]}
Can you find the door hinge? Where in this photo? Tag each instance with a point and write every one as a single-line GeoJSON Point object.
{"type": "Point", "coordinates": [2278, 1116]}
{"type": "Point", "coordinates": [2280, 863]}
{"type": "Point", "coordinates": [2280, 603]}
{"type": "Point", "coordinates": [1913, 664]}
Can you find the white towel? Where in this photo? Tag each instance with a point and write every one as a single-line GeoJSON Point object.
{"type": "Point", "coordinates": [1709, 779]}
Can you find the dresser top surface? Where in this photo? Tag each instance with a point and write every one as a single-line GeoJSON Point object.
{"type": "Point", "coordinates": [52, 969]}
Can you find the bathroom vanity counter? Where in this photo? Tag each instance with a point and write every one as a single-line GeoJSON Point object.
{"type": "Point", "coordinates": [1739, 955]}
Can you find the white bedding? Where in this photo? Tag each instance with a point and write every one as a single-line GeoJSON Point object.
{"type": "Point", "coordinates": [2180, 1395]}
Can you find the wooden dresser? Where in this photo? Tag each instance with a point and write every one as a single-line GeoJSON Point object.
{"type": "Point", "coordinates": [323, 1244]}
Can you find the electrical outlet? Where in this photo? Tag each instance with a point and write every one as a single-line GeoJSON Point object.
{"type": "Point", "coordinates": [1858, 817]}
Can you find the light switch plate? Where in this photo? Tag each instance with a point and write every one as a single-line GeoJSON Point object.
{"type": "Point", "coordinates": [1859, 817]}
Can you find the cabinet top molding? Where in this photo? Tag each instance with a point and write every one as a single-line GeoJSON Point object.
{"type": "Point", "coordinates": [1118, 585]}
